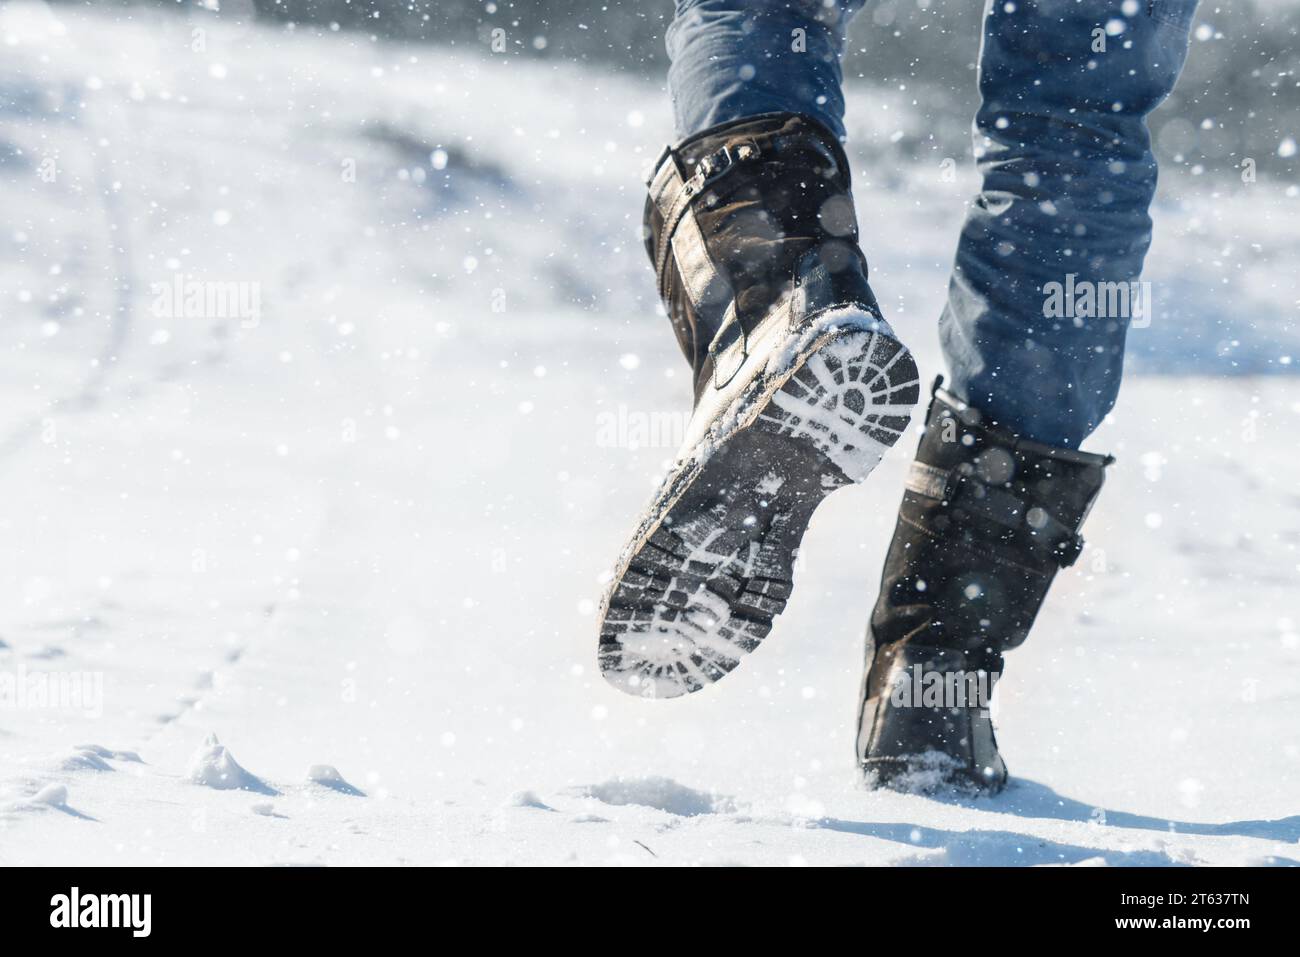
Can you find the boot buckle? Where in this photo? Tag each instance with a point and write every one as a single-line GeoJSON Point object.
{"type": "Point", "coordinates": [717, 164]}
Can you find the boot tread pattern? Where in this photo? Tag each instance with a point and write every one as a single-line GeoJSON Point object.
{"type": "Point", "coordinates": [704, 587]}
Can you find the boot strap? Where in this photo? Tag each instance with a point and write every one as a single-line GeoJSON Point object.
{"type": "Point", "coordinates": [674, 198]}
{"type": "Point", "coordinates": [1058, 540]}
{"type": "Point", "coordinates": [729, 348]}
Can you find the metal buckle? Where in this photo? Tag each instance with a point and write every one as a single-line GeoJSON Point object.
{"type": "Point", "coordinates": [707, 171]}
{"type": "Point", "coordinates": [717, 164]}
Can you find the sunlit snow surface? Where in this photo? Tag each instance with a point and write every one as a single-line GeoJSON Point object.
{"type": "Point", "coordinates": [366, 528]}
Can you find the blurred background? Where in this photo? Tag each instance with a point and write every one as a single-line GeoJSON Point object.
{"type": "Point", "coordinates": [1236, 99]}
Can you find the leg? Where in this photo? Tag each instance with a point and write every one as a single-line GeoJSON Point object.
{"type": "Point", "coordinates": [800, 385]}
{"type": "Point", "coordinates": [998, 491]}
{"type": "Point", "coordinates": [1062, 143]}
{"type": "Point", "coordinates": [738, 58]}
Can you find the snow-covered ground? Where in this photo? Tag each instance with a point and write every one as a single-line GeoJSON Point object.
{"type": "Point", "coordinates": [343, 549]}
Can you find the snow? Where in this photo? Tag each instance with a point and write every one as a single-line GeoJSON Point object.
{"type": "Point", "coordinates": [527, 799]}
{"type": "Point", "coordinates": [213, 766]}
{"type": "Point", "coordinates": [363, 530]}
{"type": "Point", "coordinates": [328, 776]}
{"type": "Point", "coordinates": [84, 760]}
{"type": "Point", "coordinates": [661, 794]}
{"type": "Point", "coordinates": [55, 795]}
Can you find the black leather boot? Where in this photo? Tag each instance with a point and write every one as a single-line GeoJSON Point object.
{"type": "Point", "coordinates": [800, 387]}
{"type": "Point", "coordinates": [987, 520]}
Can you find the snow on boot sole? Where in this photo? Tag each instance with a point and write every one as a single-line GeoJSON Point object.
{"type": "Point", "coordinates": [712, 564]}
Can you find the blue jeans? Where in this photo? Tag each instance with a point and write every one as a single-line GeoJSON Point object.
{"type": "Point", "coordinates": [1068, 176]}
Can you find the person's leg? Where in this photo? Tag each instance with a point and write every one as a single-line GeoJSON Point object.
{"type": "Point", "coordinates": [738, 58]}
{"type": "Point", "coordinates": [998, 491]}
{"type": "Point", "coordinates": [800, 385]}
{"type": "Point", "coordinates": [1062, 143]}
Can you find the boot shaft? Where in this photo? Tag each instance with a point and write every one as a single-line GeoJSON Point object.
{"type": "Point", "coordinates": [926, 723]}
{"type": "Point", "coordinates": [987, 520]}
{"type": "Point", "coordinates": [749, 217]}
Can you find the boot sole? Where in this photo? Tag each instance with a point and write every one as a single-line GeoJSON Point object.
{"type": "Point", "coordinates": [713, 565]}
{"type": "Point", "coordinates": [917, 775]}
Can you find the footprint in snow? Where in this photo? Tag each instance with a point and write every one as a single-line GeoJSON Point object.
{"type": "Point", "coordinates": [84, 760]}
{"type": "Point", "coordinates": [95, 757]}
{"type": "Point", "coordinates": [111, 755]}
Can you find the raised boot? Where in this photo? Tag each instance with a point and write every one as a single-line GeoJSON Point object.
{"type": "Point", "coordinates": [986, 522]}
{"type": "Point", "coordinates": [800, 387]}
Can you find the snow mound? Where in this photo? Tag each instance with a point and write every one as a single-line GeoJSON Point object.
{"type": "Point", "coordinates": [53, 795]}
{"type": "Point", "coordinates": [214, 766]}
{"type": "Point", "coordinates": [662, 794]}
{"type": "Point", "coordinates": [326, 775]}
{"type": "Point", "coordinates": [109, 754]}
{"type": "Point", "coordinates": [50, 797]}
{"type": "Point", "coordinates": [84, 759]}
{"type": "Point", "coordinates": [527, 799]}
